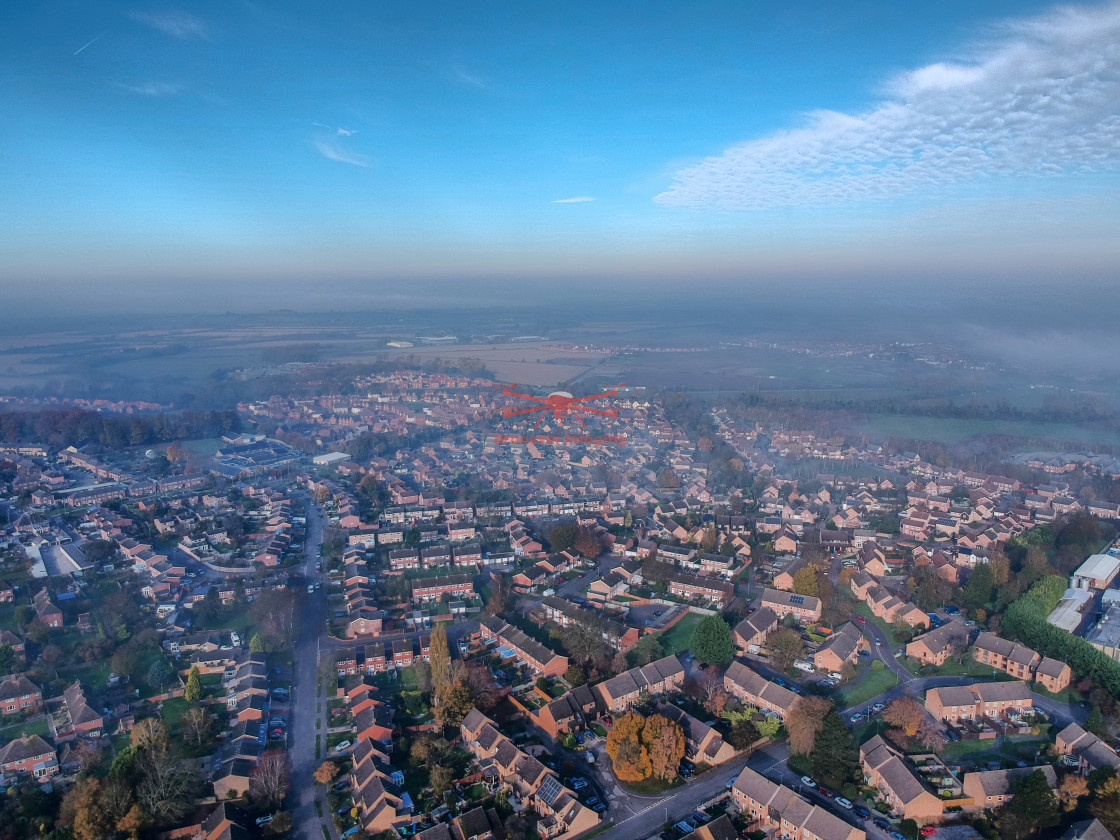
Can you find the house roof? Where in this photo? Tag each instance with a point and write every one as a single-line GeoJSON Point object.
{"type": "Point", "coordinates": [1001, 782]}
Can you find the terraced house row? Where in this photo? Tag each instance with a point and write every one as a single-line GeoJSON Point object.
{"type": "Point", "coordinates": [1021, 662]}
{"type": "Point", "coordinates": [774, 808]}
{"type": "Point", "coordinates": [530, 784]}
{"type": "Point", "coordinates": [752, 688]}
{"type": "Point", "coordinates": [979, 700]}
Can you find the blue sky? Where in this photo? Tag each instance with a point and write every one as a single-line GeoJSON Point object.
{"type": "Point", "coordinates": [729, 141]}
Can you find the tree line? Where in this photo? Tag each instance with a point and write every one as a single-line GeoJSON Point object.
{"type": "Point", "coordinates": [78, 427]}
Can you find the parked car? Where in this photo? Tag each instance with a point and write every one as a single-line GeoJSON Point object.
{"type": "Point", "coordinates": [856, 717]}
{"type": "Point", "coordinates": [350, 832]}
{"type": "Point", "coordinates": [863, 812]}
{"type": "Point", "coordinates": [265, 820]}
{"type": "Point", "coordinates": [928, 830]}
{"type": "Point", "coordinates": [731, 782]}
{"type": "Point", "coordinates": [826, 791]}
{"type": "Point", "coordinates": [579, 784]}
{"type": "Point", "coordinates": [341, 745]}
{"type": "Point", "coordinates": [684, 771]}
{"type": "Point", "coordinates": [861, 619]}
{"type": "Point", "coordinates": [808, 781]}
{"type": "Point", "coordinates": [844, 803]}
{"type": "Point", "coordinates": [878, 707]}
{"type": "Point", "coordinates": [883, 824]}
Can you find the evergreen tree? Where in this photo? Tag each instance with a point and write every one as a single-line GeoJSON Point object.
{"type": "Point", "coordinates": [193, 692]}
{"type": "Point", "coordinates": [711, 641]}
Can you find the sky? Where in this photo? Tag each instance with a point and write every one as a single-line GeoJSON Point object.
{"type": "Point", "coordinates": [401, 147]}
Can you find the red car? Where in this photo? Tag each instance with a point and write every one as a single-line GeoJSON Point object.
{"type": "Point", "coordinates": [861, 619]}
{"type": "Point", "coordinates": [927, 830]}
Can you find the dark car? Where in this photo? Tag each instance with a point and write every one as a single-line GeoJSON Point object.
{"type": "Point", "coordinates": [862, 812]}
{"type": "Point", "coordinates": [883, 824]}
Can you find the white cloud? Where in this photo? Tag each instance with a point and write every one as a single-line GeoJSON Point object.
{"type": "Point", "coordinates": [332, 151]}
{"type": "Point", "coordinates": [1043, 99]}
{"type": "Point", "coordinates": [174, 23]}
{"type": "Point", "coordinates": [152, 88]}
{"type": "Point", "coordinates": [579, 199]}
{"type": "Point", "coordinates": [346, 132]}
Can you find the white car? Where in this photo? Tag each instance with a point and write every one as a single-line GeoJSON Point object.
{"type": "Point", "coordinates": [341, 745]}
{"type": "Point", "coordinates": [808, 781]}
{"type": "Point", "coordinates": [844, 803]}
{"type": "Point", "coordinates": [835, 675]}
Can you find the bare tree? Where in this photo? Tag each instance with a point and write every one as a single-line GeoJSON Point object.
{"type": "Point", "coordinates": [270, 780]}
{"type": "Point", "coordinates": [167, 787]}
{"type": "Point", "coordinates": [195, 724]}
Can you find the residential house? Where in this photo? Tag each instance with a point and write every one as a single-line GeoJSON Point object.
{"type": "Point", "coordinates": [703, 744]}
{"type": "Point", "coordinates": [992, 789]}
{"type": "Point", "coordinates": [569, 713]}
{"type": "Point", "coordinates": [19, 695]}
{"type": "Point", "coordinates": [439, 588]}
{"type": "Point", "coordinates": [515, 643]}
{"type": "Point", "coordinates": [1021, 662]}
{"type": "Point", "coordinates": [621, 692]}
{"type": "Point", "coordinates": [936, 646]}
{"type": "Point", "coordinates": [28, 755]}
{"type": "Point", "coordinates": [979, 700]}
{"type": "Point", "coordinates": [805, 608]}
{"type": "Point", "coordinates": [46, 610]}
{"type": "Point", "coordinates": [753, 689]}
{"type": "Point", "coordinates": [885, 768]}
{"type": "Point", "coordinates": [776, 809]}
{"type": "Point", "coordinates": [842, 648]}
{"type": "Point", "coordinates": [690, 587]}
{"type": "Point", "coordinates": [1087, 751]}
{"type": "Point", "coordinates": [754, 629]}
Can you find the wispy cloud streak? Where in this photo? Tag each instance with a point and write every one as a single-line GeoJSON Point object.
{"type": "Point", "coordinates": [579, 199]}
{"type": "Point", "coordinates": [332, 151]}
{"type": "Point", "coordinates": [1041, 99]}
{"type": "Point", "coordinates": [174, 23]}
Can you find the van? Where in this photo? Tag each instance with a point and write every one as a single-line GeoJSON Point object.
{"type": "Point", "coordinates": [803, 665]}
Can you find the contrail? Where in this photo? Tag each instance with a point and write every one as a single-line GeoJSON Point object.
{"type": "Point", "coordinates": [82, 48]}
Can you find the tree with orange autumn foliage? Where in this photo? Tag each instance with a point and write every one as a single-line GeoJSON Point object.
{"type": "Point", "coordinates": [628, 754]}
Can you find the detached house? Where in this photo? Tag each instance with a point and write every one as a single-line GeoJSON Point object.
{"type": "Point", "coordinates": [805, 608]}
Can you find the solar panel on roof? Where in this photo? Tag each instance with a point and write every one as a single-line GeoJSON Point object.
{"type": "Point", "coordinates": [550, 790]}
{"type": "Point", "coordinates": [797, 599]}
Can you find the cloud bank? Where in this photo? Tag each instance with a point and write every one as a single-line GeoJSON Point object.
{"type": "Point", "coordinates": [1042, 99]}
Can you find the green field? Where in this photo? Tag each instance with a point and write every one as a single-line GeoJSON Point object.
{"type": "Point", "coordinates": [953, 430]}
{"type": "Point", "coordinates": [677, 638]}
{"type": "Point", "coordinates": [876, 683]}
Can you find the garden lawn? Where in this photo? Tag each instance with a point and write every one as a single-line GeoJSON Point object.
{"type": "Point", "coordinates": [39, 726]}
{"type": "Point", "coordinates": [653, 786]}
{"type": "Point", "coordinates": [968, 668]}
{"type": "Point", "coordinates": [874, 684]}
{"type": "Point", "coordinates": [968, 747]}
{"type": "Point", "coordinates": [678, 637]}
{"type": "Point", "coordinates": [173, 711]}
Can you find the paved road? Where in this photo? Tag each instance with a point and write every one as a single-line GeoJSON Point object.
{"type": "Point", "coordinates": [305, 706]}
